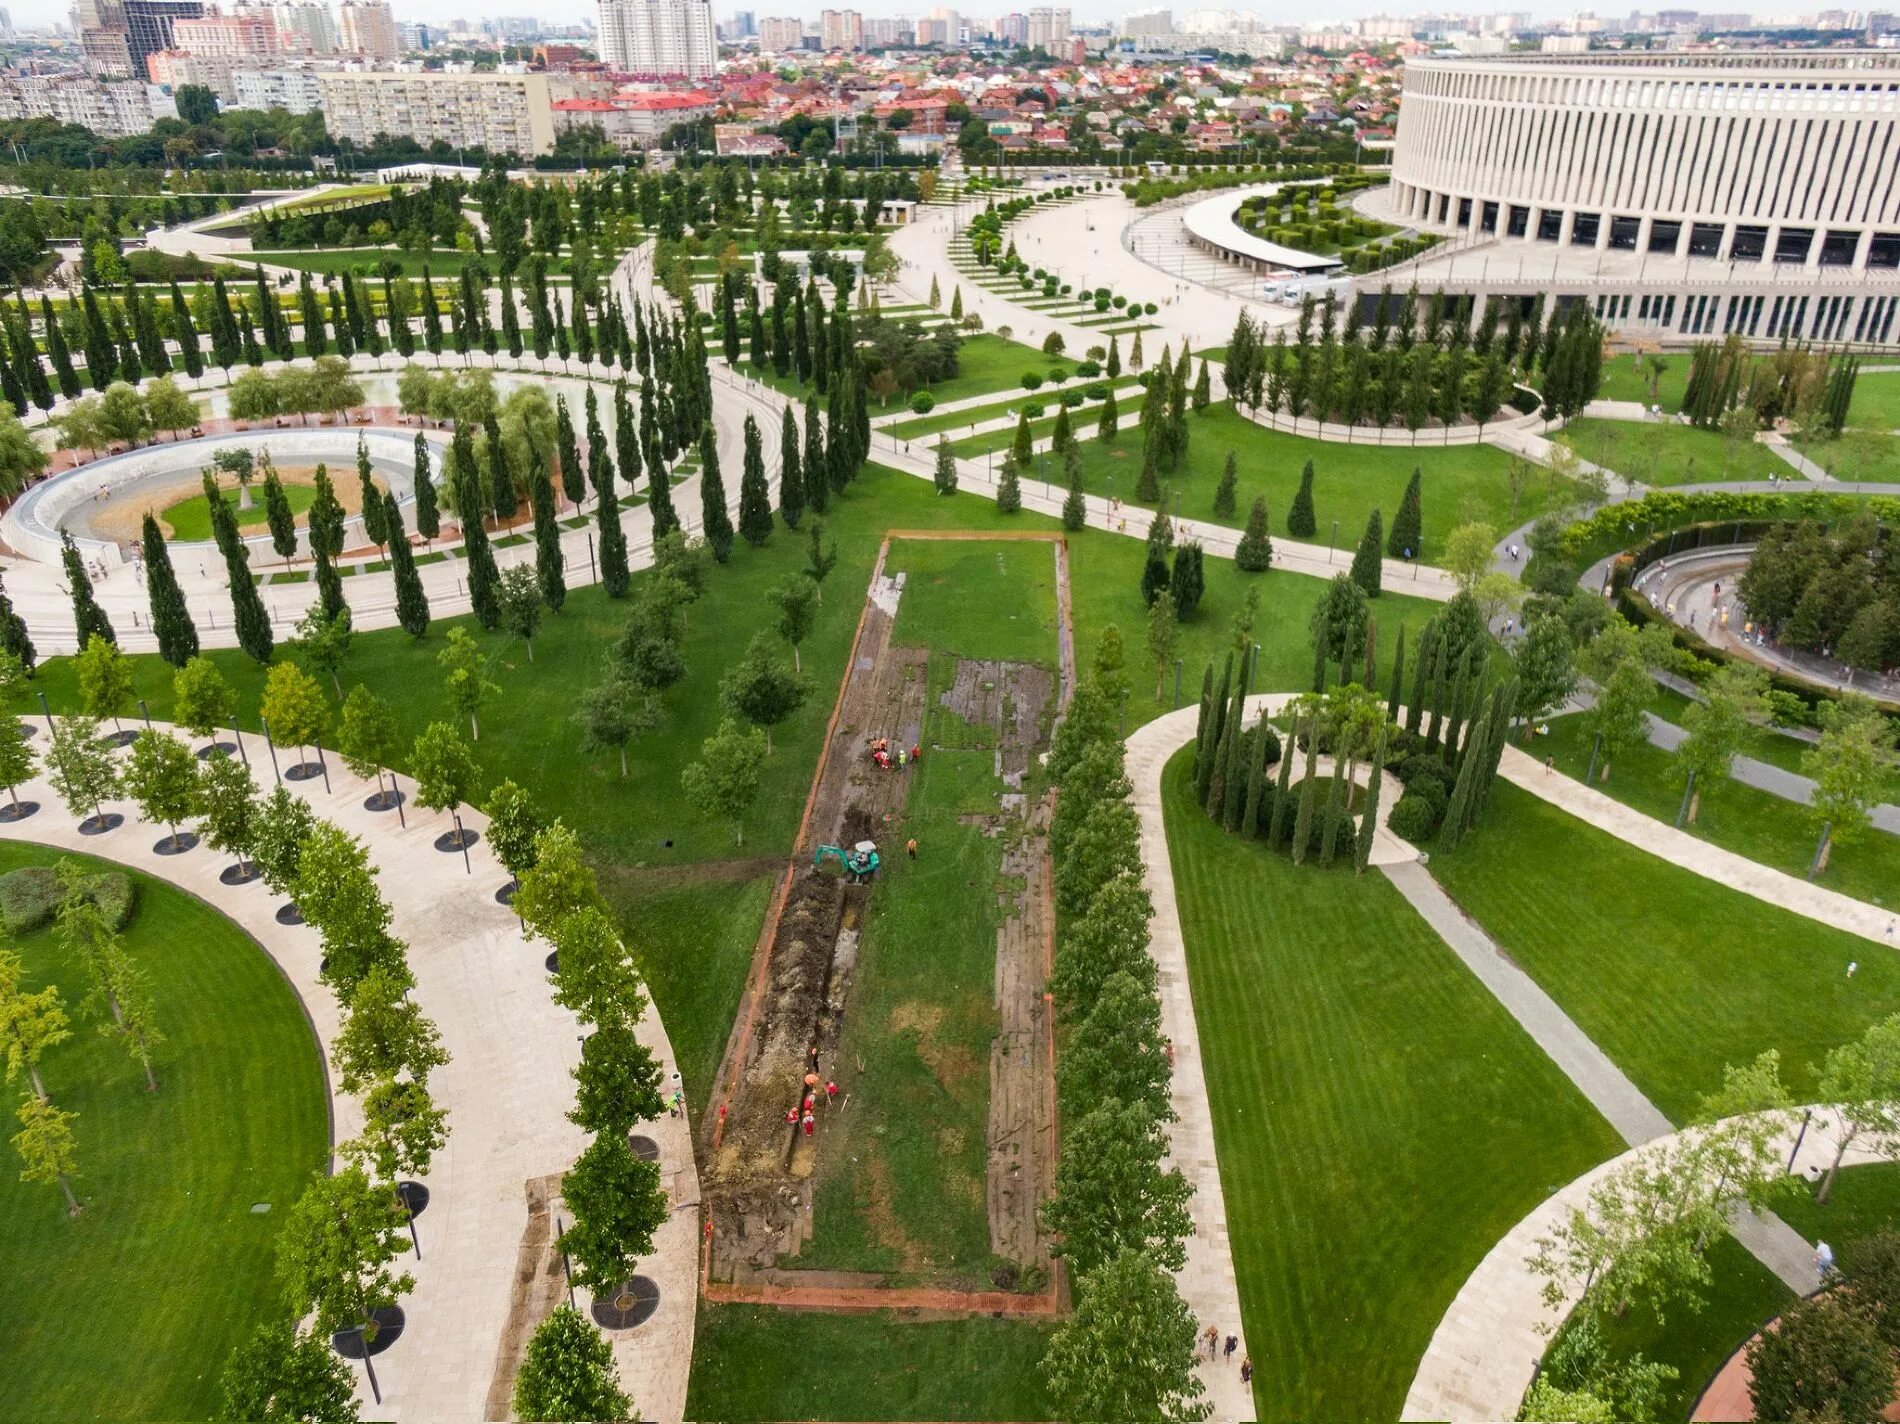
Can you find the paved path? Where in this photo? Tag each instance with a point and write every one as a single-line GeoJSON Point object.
{"type": "Point", "coordinates": [1486, 1348]}
{"type": "Point", "coordinates": [506, 1089]}
{"type": "Point", "coordinates": [1799, 462]}
{"type": "Point", "coordinates": [1207, 1281]}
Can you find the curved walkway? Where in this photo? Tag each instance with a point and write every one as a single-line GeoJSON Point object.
{"type": "Point", "coordinates": [1207, 1280]}
{"type": "Point", "coordinates": [1484, 1354]}
{"type": "Point", "coordinates": [506, 1088]}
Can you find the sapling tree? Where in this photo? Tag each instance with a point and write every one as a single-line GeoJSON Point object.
{"type": "Point", "coordinates": [161, 775]}
{"type": "Point", "coordinates": [80, 769]}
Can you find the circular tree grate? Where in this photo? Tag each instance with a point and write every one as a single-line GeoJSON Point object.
{"type": "Point", "coordinates": [178, 844]}
{"type": "Point", "coordinates": [645, 1148]}
{"type": "Point", "coordinates": [216, 749]}
{"type": "Point", "coordinates": [389, 1326]}
{"type": "Point", "coordinates": [506, 895]}
{"type": "Point", "coordinates": [629, 1306]}
{"type": "Point", "coordinates": [28, 731]}
{"type": "Point", "coordinates": [454, 841]}
{"type": "Point", "coordinates": [382, 801]}
{"type": "Point", "coordinates": [554, 962]}
{"type": "Point", "coordinates": [99, 825]}
{"type": "Point", "coordinates": [240, 874]}
{"type": "Point", "coordinates": [414, 1197]}
{"type": "Point", "coordinates": [120, 738]}
{"type": "Point", "coordinates": [289, 914]}
{"type": "Point", "coordinates": [306, 771]}
{"type": "Point", "coordinates": [10, 813]}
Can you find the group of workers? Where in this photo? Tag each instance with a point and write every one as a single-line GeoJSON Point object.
{"type": "Point", "coordinates": [885, 758]}
{"type": "Point", "coordinates": [802, 1116]}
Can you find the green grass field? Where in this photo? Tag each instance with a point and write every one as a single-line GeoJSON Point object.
{"type": "Point", "coordinates": [1380, 1120]}
{"type": "Point", "coordinates": [1460, 483]}
{"type": "Point", "coordinates": [940, 422]}
{"type": "Point", "coordinates": [1081, 422]}
{"type": "Point", "coordinates": [190, 519]}
{"type": "Point", "coordinates": [129, 1311]}
{"type": "Point", "coordinates": [1673, 976]}
{"type": "Point", "coordinates": [1752, 823]}
{"type": "Point", "coordinates": [986, 363]}
{"type": "Point", "coordinates": [1876, 400]}
{"type": "Point", "coordinates": [1656, 453]}
{"type": "Point", "coordinates": [1858, 455]}
{"type": "Point", "coordinates": [755, 1363]}
{"type": "Point", "coordinates": [1625, 379]}
{"type": "Point", "coordinates": [441, 263]}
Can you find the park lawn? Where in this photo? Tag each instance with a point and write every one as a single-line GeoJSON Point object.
{"type": "Point", "coordinates": [1771, 744]}
{"type": "Point", "coordinates": [1672, 976]}
{"type": "Point", "coordinates": [907, 1192]}
{"type": "Point", "coordinates": [360, 191]}
{"type": "Point", "coordinates": [757, 1363]}
{"type": "Point", "coordinates": [131, 1310]}
{"type": "Point", "coordinates": [442, 262]}
{"type": "Point", "coordinates": [1625, 380]}
{"type": "Point", "coordinates": [1664, 453]}
{"type": "Point", "coordinates": [985, 363]}
{"type": "Point", "coordinates": [1876, 400]}
{"type": "Point", "coordinates": [942, 421]}
{"type": "Point", "coordinates": [1044, 428]}
{"type": "Point", "coordinates": [1460, 483]}
{"type": "Point", "coordinates": [190, 519]}
{"type": "Point", "coordinates": [1763, 827]}
{"type": "Point", "coordinates": [1380, 1121]}
{"type": "Point", "coordinates": [1862, 455]}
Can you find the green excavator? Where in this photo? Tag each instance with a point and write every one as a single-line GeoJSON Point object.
{"type": "Point", "coordinates": [858, 864]}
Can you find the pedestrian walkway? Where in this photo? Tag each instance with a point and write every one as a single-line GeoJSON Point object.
{"type": "Point", "coordinates": [1486, 1348]}
{"type": "Point", "coordinates": [506, 1088]}
{"type": "Point", "coordinates": [1802, 465]}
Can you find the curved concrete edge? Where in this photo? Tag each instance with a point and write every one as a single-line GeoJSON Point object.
{"type": "Point", "coordinates": [1484, 1353]}
{"type": "Point", "coordinates": [1207, 1281]}
{"type": "Point", "coordinates": [507, 1089]}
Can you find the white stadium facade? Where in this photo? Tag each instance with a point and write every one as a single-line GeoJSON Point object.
{"type": "Point", "coordinates": [1681, 196]}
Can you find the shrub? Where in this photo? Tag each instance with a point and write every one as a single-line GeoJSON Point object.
{"type": "Point", "coordinates": [1150, 308]}
{"type": "Point", "coordinates": [1101, 304]}
{"type": "Point", "coordinates": [1072, 398]}
{"type": "Point", "coordinates": [1031, 379]}
{"type": "Point", "coordinates": [1096, 390]}
{"type": "Point", "coordinates": [923, 403]}
{"type": "Point", "coordinates": [1088, 370]}
{"type": "Point", "coordinates": [1035, 410]}
{"type": "Point", "coordinates": [1066, 288]}
{"type": "Point", "coordinates": [1424, 767]}
{"type": "Point", "coordinates": [1118, 302]}
{"type": "Point", "coordinates": [29, 895]}
{"type": "Point", "coordinates": [1414, 818]}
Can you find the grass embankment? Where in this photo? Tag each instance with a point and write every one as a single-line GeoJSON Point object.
{"type": "Point", "coordinates": [190, 519]}
{"type": "Point", "coordinates": [1663, 453]}
{"type": "Point", "coordinates": [1671, 975]}
{"type": "Point", "coordinates": [130, 1310]}
{"type": "Point", "coordinates": [1380, 1120]}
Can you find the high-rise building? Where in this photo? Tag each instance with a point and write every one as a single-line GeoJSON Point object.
{"type": "Point", "coordinates": [1047, 29]}
{"type": "Point", "coordinates": [1148, 22]}
{"type": "Point", "coordinates": [779, 33]}
{"type": "Point", "coordinates": [943, 27]}
{"type": "Point", "coordinates": [100, 25]}
{"type": "Point", "coordinates": [840, 29]}
{"type": "Point", "coordinates": [226, 36]}
{"type": "Point", "coordinates": [502, 113]}
{"type": "Point", "coordinates": [1013, 28]}
{"type": "Point", "coordinates": [303, 26]}
{"type": "Point", "coordinates": [148, 27]}
{"type": "Point", "coordinates": [743, 22]}
{"type": "Point", "coordinates": [367, 27]}
{"type": "Point", "coordinates": [658, 37]}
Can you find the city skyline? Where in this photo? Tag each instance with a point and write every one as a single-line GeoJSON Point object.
{"type": "Point", "coordinates": [43, 14]}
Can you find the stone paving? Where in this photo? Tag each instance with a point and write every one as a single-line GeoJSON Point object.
{"type": "Point", "coordinates": [506, 1087]}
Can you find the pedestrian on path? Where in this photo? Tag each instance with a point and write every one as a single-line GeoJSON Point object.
{"type": "Point", "coordinates": [1233, 1344]}
{"type": "Point", "coordinates": [1212, 1338]}
{"type": "Point", "coordinates": [1246, 1369]}
{"type": "Point", "coordinates": [910, 847]}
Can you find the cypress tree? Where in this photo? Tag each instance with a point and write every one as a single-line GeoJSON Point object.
{"type": "Point", "coordinates": [372, 500]}
{"type": "Point", "coordinates": [329, 586]}
{"type": "Point", "coordinates": [1254, 552]}
{"type": "Point", "coordinates": [1204, 720]}
{"type": "Point", "coordinates": [626, 438]}
{"type": "Point", "coordinates": [1154, 570]}
{"type": "Point", "coordinates": [1427, 651]}
{"type": "Point", "coordinates": [1366, 566]}
{"type": "Point", "coordinates": [325, 521]}
{"type": "Point", "coordinates": [1229, 478]}
{"type": "Point", "coordinates": [226, 345]}
{"type": "Point", "coordinates": [1300, 521]}
{"type": "Point", "coordinates": [1109, 422]}
{"type": "Point", "coordinates": [1369, 821]}
{"type": "Point", "coordinates": [32, 371]}
{"type": "Point", "coordinates": [1061, 436]}
{"type": "Point", "coordinates": [1403, 541]}
{"type": "Point", "coordinates": [1233, 771]}
{"type": "Point", "coordinates": [1222, 764]}
{"type": "Point", "coordinates": [101, 362]}
{"type": "Point", "coordinates": [1335, 811]}
{"type": "Point", "coordinates": [612, 538]}
{"type": "Point", "coordinates": [428, 511]}
{"type": "Point", "coordinates": [1282, 800]}
{"type": "Point", "coordinates": [1463, 692]}
{"type": "Point", "coordinates": [840, 460]}
{"type": "Point", "coordinates": [791, 480]}
{"type": "Point", "coordinates": [186, 334]}
{"type": "Point", "coordinates": [171, 621]}
{"type": "Point", "coordinates": [817, 475]}
{"type": "Point", "coordinates": [1256, 779]}
{"type": "Point", "coordinates": [1009, 488]}
{"type": "Point", "coordinates": [247, 606]}
{"type": "Point", "coordinates": [1188, 581]}
{"type": "Point", "coordinates": [10, 361]}
{"type": "Point", "coordinates": [1206, 766]}
{"type": "Point", "coordinates": [573, 475]}
{"type": "Point", "coordinates": [412, 604]}
{"type": "Point", "coordinates": [755, 498]}
{"type": "Point", "coordinates": [1309, 790]}
{"type": "Point", "coordinates": [1459, 811]}
{"type": "Point", "coordinates": [1440, 673]}
{"type": "Point", "coordinates": [714, 518]}
{"type": "Point", "coordinates": [88, 617]}
{"type": "Point", "coordinates": [1392, 700]}
{"type": "Point", "coordinates": [482, 576]}
{"type": "Point", "coordinates": [1503, 708]}
{"type": "Point", "coordinates": [547, 541]}
{"type": "Point", "coordinates": [59, 354]}
{"type": "Point", "coordinates": [660, 501]}
{"type": "Point", "coordinates": [13, 635]}
{"type": "Point", "coordinates": [1075, 508]}
{"type": "Point", "coordinates": [501, 482]}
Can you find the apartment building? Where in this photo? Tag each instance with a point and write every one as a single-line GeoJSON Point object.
{"type": "Point", "coordinates": [502, 113]}
{"type": "Point", "coordinates": [659, 37]}
{"type": "Point", "coordinates": [367, 27]}
{"type": "Point", "coordinates": [777, 34]}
